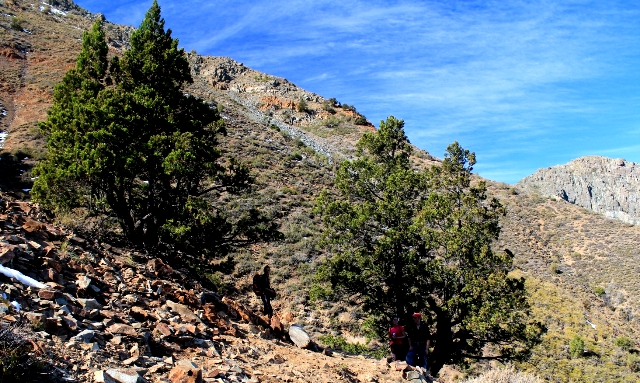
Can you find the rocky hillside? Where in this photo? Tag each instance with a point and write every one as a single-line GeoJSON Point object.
{"type": "Point", "coordinates": [581, 268]}
{"type": "Point", "coordinates": [604, 185]}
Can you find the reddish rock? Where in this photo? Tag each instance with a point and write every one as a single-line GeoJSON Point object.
{"type": "Point", "coordinates": [275, 324]}
{"type": "Point", "coordinates": [53, 232]}
{"type": "Point", "coordinates": [163, 329]}
{"type": "Point", "coordinates": [49, 294]}
{"type": "Point", "coordinates": [185, 372]}
{"type": "Point", "coordinates": [122, 329]}
{"type": "Point", "coordinates": [6, 254]}
{"type": "Point", "coordinates": [52, 263]}
{"type": "Point", "coordinates": [51, 325]}
{"type": "Point", "coordinates": [70, 322]}
{"type": "Point", "coordinates": [51, 275]}
{"type": "Point", "coordinates": [191, 328]}
{"type": "Point", "coordinates": [159, 268]}
{"type": "Point", "coordinates": [138, 314]}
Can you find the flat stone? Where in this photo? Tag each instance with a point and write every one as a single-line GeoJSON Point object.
{"type": "Point", "coordinates": [122, 375]}
{"type": "Point", "coordinates": [89, 304]}
{"type": "Point", "coordinates": [85, 336]}
{"type": "Point", "coordinates": [184, 311]}
{"type": "Point", "coordinates": [83, 282]}
{"type": "Point", "coordinates": [138, 313]}
{"type": "Point", "coordinates": [122, 329]}
{"type": "Point", "coordinates": [6, 254]}
{"type": "Point", "coordinates": [48, 294]}
{"type": "Point", "coordinates": [163, 329]}
{"type": "Point", "coordinates": [185, 372]}
{"type": "Point", "coordinates": [299, 336]}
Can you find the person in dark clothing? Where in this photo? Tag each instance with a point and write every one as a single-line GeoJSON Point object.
{"type": "Point", "coordinates": [419, 340]}
{"type": "Point", "coordinates": [264, 291]}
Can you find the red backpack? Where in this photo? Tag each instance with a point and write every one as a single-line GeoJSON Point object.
{"type": "Point", "coordinates": [257, 284]}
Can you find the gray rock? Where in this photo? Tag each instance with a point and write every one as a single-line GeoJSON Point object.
{"type": "Point", "coordinates": [184, 311]}
{"type": "Point", "coordinates": [125, 375]}
{"type": "Point", "coordinates": [89, 304]}
{"type": "Point", "coordinates": [607, 186]}
{"type": "Point", "coordinates": [85, 336]}
{"type": "Point", "coordinates": [299, 336]}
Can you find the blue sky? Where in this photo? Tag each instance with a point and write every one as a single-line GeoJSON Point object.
{"type": "Point", "coordinates": [524, 84]}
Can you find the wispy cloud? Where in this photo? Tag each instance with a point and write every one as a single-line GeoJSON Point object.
{"type": "Point", "coordinates": [524, 84]}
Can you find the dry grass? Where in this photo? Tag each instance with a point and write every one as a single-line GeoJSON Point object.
{"type": "Point", "coordinates": [506, 375]}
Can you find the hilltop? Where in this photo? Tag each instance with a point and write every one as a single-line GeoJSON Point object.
{"type": "Point", "coordinates": [605, 185]}
{"type": "Point", "coordinates": [580, 266]}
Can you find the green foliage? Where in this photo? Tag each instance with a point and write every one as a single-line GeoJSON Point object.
{"type": "Point", "coordinates": [123, 135]}
{"type": "Point", "coordinates": [397, 233]}
{"type": "Point", "coordinates": [16, 23]}
{"type": "Point", "coordinates": [320, 292]}
{"type": "Point", "coordinates": [360, 120]}
{"type": "Point", "coordinates": [339, 343]}
{"type": "Point", "coordinates": [348, 107]}
{"type": "Point", "coordinates": [576, 346]}
{"type": "Point", "coordinates": [625, 343]}
{"type": "Point", "coordinates": [301, 106]}
{"type": "Point", "coordinates": [17, 360]}
{"type": "Point", "coordinates": [331, 122]}
{"type": "Point", "coordinates": [329, 105]}
{"type": "Point", "coordinates": [599, 291]}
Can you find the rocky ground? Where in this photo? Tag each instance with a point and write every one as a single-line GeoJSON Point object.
{"type": "Point", "coordinates": [104, 313]}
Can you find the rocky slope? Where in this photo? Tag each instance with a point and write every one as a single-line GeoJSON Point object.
{"type": "Point", "coordinates": [607, 186]}
{"type": "Point", "coordinates": [110, 314]}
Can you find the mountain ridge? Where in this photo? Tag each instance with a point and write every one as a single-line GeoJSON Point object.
{"type": "Point", "coordinates": [605, 185]}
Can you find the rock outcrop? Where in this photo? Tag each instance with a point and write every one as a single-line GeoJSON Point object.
{"type": "Point", "coordinates": [607, 186]}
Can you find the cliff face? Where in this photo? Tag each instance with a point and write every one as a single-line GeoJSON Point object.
{"type": "Point", "coordinates": [607, 186]}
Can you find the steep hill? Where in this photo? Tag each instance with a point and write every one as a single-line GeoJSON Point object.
{"type": "Point", "coordinates": [605, 185]}
{"type": "Point", "coordinates": [580, 266]}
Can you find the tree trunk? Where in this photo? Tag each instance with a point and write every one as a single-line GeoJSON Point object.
{"type": "Point", "coordinates": [443, 342]}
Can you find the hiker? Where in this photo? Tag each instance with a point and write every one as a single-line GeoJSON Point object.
{"type": "Point", "coordinates": [397, 337]}
{"type": "Point", "coordinates": [262, 288]}
{"type": "Point", "coordinates": [419, 340]}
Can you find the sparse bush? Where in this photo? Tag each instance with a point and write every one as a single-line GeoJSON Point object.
{"type": "Point", "coordinates": [576, 346]}
{"type": "Point", "coordinates": [624, 343]}
{"type": "Point", "coordinates": [348, 107]}
{"type": "Point", "coordinates": [18, 361]}
{"type": "Point", "coordinates": [319, 292]}
{"type": "Point", "coordinates": [16, 23]}
{"type": "Point", "coordinates": [360, 120]}
{"type": "Point", "coordinates": [331, 122]}
{"type": "Point", "coordinates": [339, 343]}
{"type": "Point", "coordinates": [599, 291]}
{"type": "Point", "coordinates": [328, 106]}
{"type": "Point", "coordinates": [302, 106]}
{"type": "Point", "coordinates": [504, 376]}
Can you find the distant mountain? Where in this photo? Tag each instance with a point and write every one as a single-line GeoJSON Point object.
{"type": "Point", "coordinates": [607, 186]}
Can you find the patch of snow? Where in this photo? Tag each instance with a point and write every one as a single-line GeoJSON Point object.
{"type": "Point", "coordinates": [3, 136]}
{"type": "Point", "coordinates": [11, 273]}
{"type": "Point", "coordinates": [4, 112]}
{"type": "Point", "coordinates": [58, 12]}
{"type": "Point", "coordinates": [26, 190]}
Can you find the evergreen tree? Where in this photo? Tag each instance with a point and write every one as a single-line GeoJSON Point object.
{"type": "Point", "coordinates": [408, 240]}
{"type": "Point", "coordinates": [126, 136]}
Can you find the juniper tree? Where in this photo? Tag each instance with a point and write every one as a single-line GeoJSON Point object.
{"type": "Point", "coordinates": [124, 135]}
{"type": "Point", "coordinates": [420, 240]}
